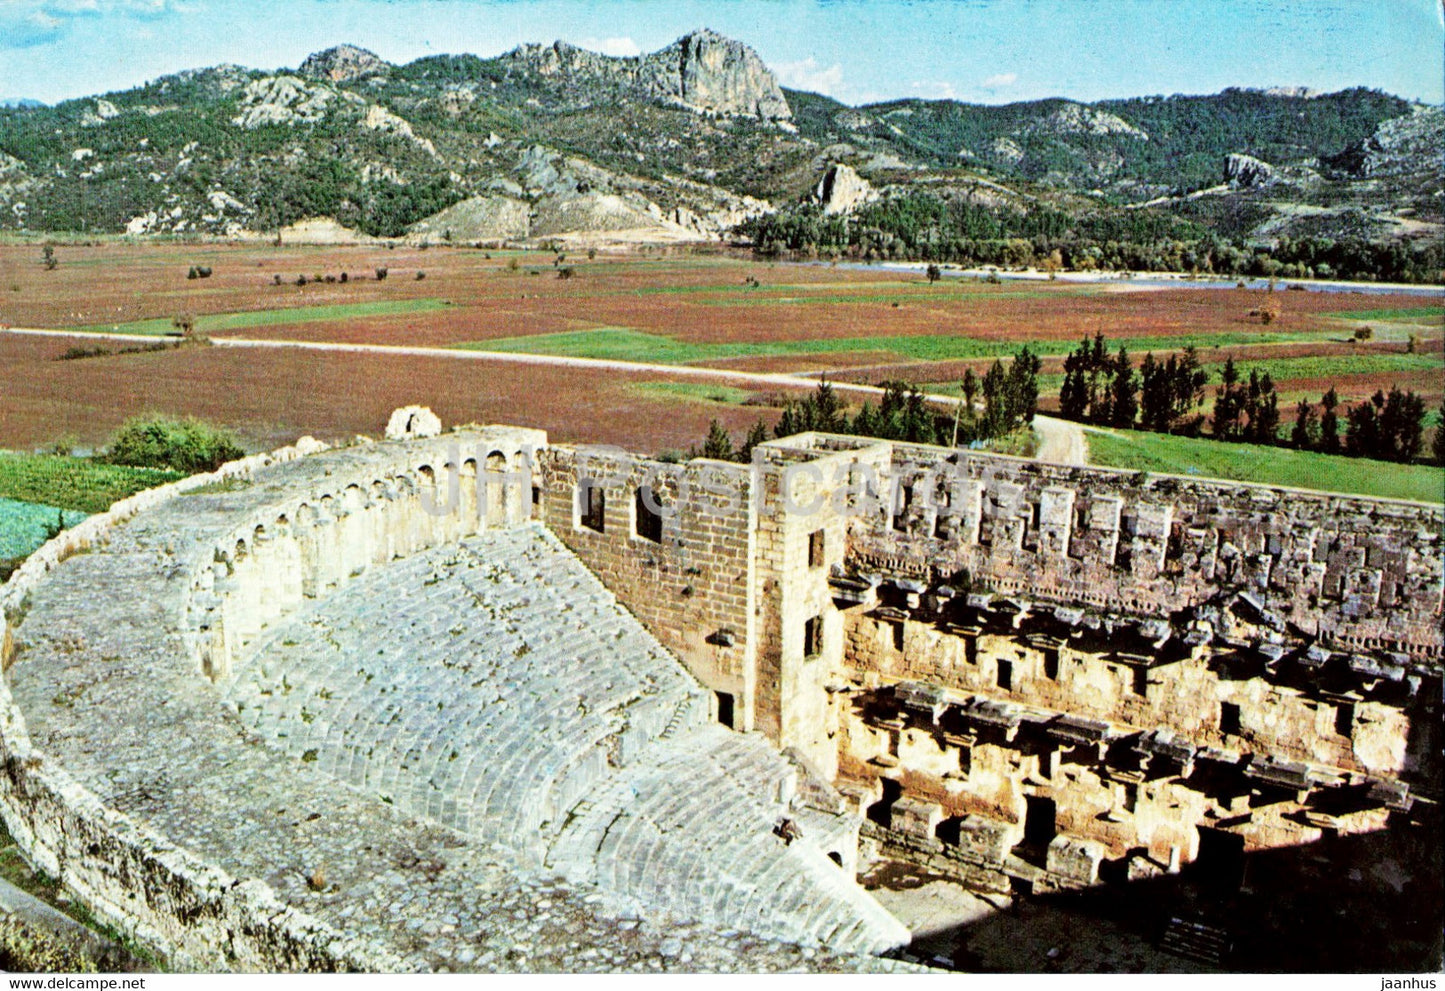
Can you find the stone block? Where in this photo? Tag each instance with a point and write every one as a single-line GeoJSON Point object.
{"type": "Point", "coordinates": [915, 818]}
{"type": "Point", "coordinates": [1075, 859]}
{"type": "Point", "coordinates": [987, 839]}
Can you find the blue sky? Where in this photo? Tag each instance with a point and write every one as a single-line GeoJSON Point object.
{"type": "Point", "coordinates": [986, 51]}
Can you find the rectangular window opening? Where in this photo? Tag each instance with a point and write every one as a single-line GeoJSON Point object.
{"type": "Point", "coordinates": [815, 549]}
{"type": "Point", "coordinates": [1345, 719]}
{"type": "Point", "coordinates": [1229, 718]}
{"type": "Point", "coordinates": [1006, 675]}
{"type": "Point", "coordinates": [1141, 681]}
{"type": "Point", "coordinates": [592, 507]}
{"type": "Point", "coordinates": [725, 709]}
{"type": "Point", "coordinates": [905, 500]}
{"type": "Point", "coordinates": [1051, 665]}
{"type": "Point", "coordinates": [813, 637]}
{"type": "Point", "coordinates": [648, 521]}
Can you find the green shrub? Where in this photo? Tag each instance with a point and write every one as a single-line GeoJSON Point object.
{"type": "Point", "coordinates": [182, 445]}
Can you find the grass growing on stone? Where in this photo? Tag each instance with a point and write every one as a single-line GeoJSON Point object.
{"type": "Point", "coordinates": [1144, 451]}
{"type": "Point", "coordinates": [626, 344]}
{"type": "Point", "coordinates": [73, 483]}
{"type": "Point", "coordinates": [211, 323]}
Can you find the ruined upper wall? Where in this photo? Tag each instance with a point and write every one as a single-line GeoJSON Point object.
{"type": "Point", "coordinates": [688, 576]}
{"type": "Point", "coordinates": [1357, 573]}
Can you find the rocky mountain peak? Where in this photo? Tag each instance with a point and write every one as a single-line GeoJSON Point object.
{"type": "Point", "coordinates": [342, 64]}
{"type": "Point", "coordinates": [704, 72]}
{"type": "Point", "coordinates": [709, 72]}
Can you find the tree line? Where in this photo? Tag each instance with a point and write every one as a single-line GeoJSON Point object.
{"type": "Point", "coordinates": [1002, 400]}
{"type": "Point", "coordinates": [927, 227]}
{"type": "Point", "coordinates": [1101, 387]}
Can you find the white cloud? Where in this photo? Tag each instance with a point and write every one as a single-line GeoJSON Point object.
{"type": "Point", "coordinates": [612, 46]}
{"type": "Point", "coordinates": [28, 23]}
{"type": "Point", "coordinates": [1001, 80]}
{"type": "Point", "coordinates": [938, 90]}
{"type": "Point", "coordinates": [810, 76]}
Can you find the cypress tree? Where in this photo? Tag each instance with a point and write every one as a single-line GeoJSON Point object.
{"type": "Point", "coordinates": [1329, 442]}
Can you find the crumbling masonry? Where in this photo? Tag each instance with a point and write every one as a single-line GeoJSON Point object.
{"type": "Point", "coordinates": [463, 651]}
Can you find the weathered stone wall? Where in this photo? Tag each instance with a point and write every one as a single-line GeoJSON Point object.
{"type": "Point", "coordinates": [1185, 695]}
{"type": "Point", "coordinates": [691, 587]}
{"type": "Point", "coordinates": [1360, 573]}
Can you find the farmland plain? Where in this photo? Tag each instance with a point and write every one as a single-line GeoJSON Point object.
{"type": "Point", "coordinates": [685, 310]}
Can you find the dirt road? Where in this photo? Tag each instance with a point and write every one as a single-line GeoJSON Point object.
{"type": "Point", "coordinates": [1061, 441]}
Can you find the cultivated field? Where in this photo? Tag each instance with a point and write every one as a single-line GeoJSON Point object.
{"type": "Point", "coordinates": [1271, 465]}
{"type": "Point", "coordinates": [726, 313]}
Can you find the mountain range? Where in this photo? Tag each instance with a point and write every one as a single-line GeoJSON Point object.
{"type": "Point", "coordinates": [688, 143]}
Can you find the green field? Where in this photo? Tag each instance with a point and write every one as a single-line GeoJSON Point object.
{"type": "Point", "coordinates": [211, 323]}
{"type": "Point", "coordinates": [1416, 314]}
{"type": "Point", "coordinates": [1266, 465]}
{"type": "Point", "coordinates": [77, 484]}
{"type": "Point", "coordinates": [625, 344]}
{"type": "Point", "coordinates": [23, 526]}
{"type": "Point", "coordinates": [1335, 366]}
{"type": "Point", "coordinates": [699, 392]}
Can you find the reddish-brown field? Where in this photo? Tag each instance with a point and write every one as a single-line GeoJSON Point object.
{"type": "Point", "coordinates": [696, 299]}
{"type": "Point", "coordinates": [272, 396]}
